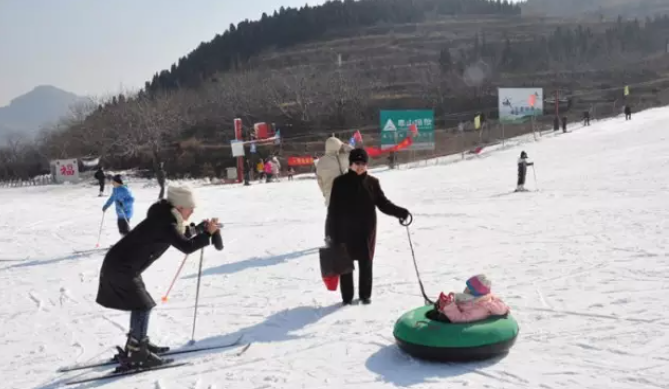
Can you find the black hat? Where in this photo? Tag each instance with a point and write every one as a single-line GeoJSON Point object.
{"type": "Point", "coordinates": [523, 154]}
{"type": "Point", "coordinates": [117, 178]}
{"type": "Point", "coordinates": [358, 155]}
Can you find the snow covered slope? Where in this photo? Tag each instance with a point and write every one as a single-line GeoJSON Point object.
{"type": "Point", "coordinates": [583, 262]}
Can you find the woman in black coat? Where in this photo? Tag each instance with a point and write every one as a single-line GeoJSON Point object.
{"type": "Point", "coordinates": [121, 286]}
{"type": "Point", "coordinates": [351, 221]}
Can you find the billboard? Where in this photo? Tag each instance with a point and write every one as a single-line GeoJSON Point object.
{"type": "Point", "coordinates": [65, 170]}
{"type": "Point", "coordinates": [518, 105]}
{"type": "Point", "coordinates": [395, 128]}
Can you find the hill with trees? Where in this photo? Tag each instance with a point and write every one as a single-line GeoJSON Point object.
{"type": "Point", "coordinates": [329, 69]}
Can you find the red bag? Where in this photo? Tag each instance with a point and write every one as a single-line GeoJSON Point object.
{"type": "Point", "coordinates": [335, 261]}
{"type": "Point", "coordinates": [331, 282]}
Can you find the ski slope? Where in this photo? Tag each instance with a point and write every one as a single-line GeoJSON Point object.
{"type": "Point", "coordinates": [583, 262]}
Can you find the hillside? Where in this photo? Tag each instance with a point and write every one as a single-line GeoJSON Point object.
{"type": "Point", "coordinates": [596, 8]}
{"type": "Point", "coordinates": [330, 69]}
{"type": "Point", "coordinates": [28, 113]}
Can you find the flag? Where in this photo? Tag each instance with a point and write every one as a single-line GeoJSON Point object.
{"type": "Point", "coordinates": [627, 90]}
{"type": "Point", "coordinates": [533, 100]}
{"type": "Point", "coordinates": [414, 130]}
{"type": "Point", "coordinates": [477, 122]}
{"type": "Point", "coordinates": [374, 152]}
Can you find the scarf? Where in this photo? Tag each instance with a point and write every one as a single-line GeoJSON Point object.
{"type": "Point", "coordinates": [181, 226]}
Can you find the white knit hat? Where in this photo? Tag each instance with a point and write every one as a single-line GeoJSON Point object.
{"type": "Point", "coordinates": [181, 196]}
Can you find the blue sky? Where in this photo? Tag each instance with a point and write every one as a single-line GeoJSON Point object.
{"type": "Point", "coordinates": [97, 47]}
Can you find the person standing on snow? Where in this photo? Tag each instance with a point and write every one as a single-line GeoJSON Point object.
{"type": "Point", "coordinates": [100, 176]}
{"type": "Point", "coordinates": [332, 165]}
{"type": "Point", "coordinates": [121, 286]}
{"type": "Point", "coordinates": [125, 201]}
{"type": "Point", "coordinates": [160, 176]}
{"type": "Point", "coordinates": [522, 171]}
{"type": "Point", "coordinates": [352, 221]}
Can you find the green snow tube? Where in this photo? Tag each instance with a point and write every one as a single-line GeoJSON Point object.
{"type": "Point", "coordinates": [423, 334]}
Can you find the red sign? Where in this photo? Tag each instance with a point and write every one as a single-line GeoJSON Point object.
{"type": "Point", "coordinates": [67, 170]}
{"type": "Point", "coordinates": [300, 161]}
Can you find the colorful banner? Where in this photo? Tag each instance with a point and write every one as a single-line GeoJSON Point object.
{"type": "Point", "coordinates": [300, 161]}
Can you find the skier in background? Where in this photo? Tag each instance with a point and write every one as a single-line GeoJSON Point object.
{"type": "Point", "coordinates": [124, 201]}
{"type": "Point", "coordinates": [586, 118]}
{"type": "Point", "coordinates": [100, 176]}
{"type": "Point", "coordinates": [160, 176]}
{"type": "Point", "coordinates": [564, 124]}
{"type": "Point", "coordinates": [522, 171]}
{"type": "Point", "coordinates": [628, 112]}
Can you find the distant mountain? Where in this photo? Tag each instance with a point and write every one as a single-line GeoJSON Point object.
{"type": "Point", "coordinates": [28, 113]}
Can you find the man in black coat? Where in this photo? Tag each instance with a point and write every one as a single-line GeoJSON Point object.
{"type": "Point", "coordinates": [351, 221]}
{"type": "Point", "coordinates": [121, 286]}
{"type": "Point", "coordinates": [100, 176]}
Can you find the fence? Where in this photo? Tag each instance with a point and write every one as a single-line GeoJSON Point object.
{"type": "Point", "coordinates": [35, 181]}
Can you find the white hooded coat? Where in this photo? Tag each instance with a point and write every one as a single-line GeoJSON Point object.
{"type": "Point", "coordinates": [333, 164]}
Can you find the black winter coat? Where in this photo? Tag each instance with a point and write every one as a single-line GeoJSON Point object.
{"type": "Point", "coordinates": [100, 175]}
{"type": "Point", "coordinates": [351, 216]}
{"type": "Point", "coordinates": [121, 286]}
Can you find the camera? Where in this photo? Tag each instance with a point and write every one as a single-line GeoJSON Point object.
{"type": "Point", "coordinates": [216, 239]}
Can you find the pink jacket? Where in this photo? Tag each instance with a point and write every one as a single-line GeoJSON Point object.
{"type": "Point", "coordinates": [268, 167]}
{"type": "Point", "coordinates": [475, 310]}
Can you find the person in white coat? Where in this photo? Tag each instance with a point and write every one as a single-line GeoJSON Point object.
{"type": "Point", "coordinates": [332, 165]}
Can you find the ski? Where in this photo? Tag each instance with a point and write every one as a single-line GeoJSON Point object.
{"type": "Point", "coordinates": [91, 251]}
{"type": "Point", "coordinates": [115, 374]}
{"type": "Point", "coordinates": [113, 361]}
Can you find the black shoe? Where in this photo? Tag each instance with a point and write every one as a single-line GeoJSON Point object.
{"type": "Point", "coordinates": [137, 355]}
{"type": "Point", "coordinates": [366, 301]}
{"type": "Point", "coordinates": [348, 302]}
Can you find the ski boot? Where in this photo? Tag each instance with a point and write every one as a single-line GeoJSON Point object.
{"type": "Point", "coordinates": [157, 349]}
{"type": "Point", "coordinates": [136, 355]}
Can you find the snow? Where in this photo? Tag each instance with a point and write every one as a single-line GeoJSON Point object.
{"type": "Point", "coordinates": [583, 262]}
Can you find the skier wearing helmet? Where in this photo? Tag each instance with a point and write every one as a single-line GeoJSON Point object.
{"type": "Point", "coordinates": [522, 171]}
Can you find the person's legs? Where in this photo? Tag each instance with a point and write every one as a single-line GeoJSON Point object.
{"type": "Point", "coordinates": [139, 323]}
{"type": "Point", "coordinates": [346, 287]}
{"type": "Point", "coordinates": [123, 227]}
{"type": "Point", "coordinates": [365, 281]}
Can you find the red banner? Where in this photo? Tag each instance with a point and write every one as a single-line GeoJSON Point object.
{"type": "Point", "coordinates": [300, 161]}
{"type": "Point", "coordinates": [376, 152]}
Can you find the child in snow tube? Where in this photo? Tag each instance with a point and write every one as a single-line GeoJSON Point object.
{"type": "Point", "coordinates": [473, 304]}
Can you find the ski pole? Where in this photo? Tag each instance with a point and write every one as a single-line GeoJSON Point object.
{"type": "Point", "coordinates": [164, 299]}
{"type": "Point", "coordinates": [197, 295]}
{"type": "Point", "coordinates": [100, 233]}
{"type": "Point", "coordinates": [535, 177]}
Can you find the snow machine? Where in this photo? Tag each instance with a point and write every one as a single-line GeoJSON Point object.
{"type": "Point", "coordinates": [426, 334]}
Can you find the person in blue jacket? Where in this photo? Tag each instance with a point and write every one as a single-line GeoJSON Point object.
{"type": "Point", "coordinates": [124, 201]}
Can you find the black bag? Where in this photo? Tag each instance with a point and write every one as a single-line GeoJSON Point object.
{"type": "Point", "coordinates": [335, 261]}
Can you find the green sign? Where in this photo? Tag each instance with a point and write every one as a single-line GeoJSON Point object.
{"type": "Point", "coordinates": [395, 128]}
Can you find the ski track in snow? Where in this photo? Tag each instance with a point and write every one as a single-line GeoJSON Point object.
{"type": "Point", "coordinates": [583, 262]}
